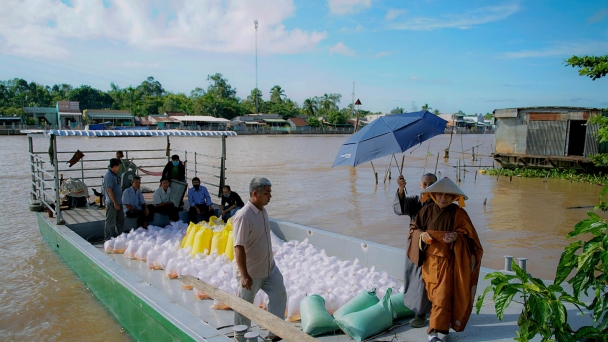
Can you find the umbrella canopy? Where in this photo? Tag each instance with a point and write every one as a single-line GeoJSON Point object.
{"type": "Point", "coordinates": [389, 134]}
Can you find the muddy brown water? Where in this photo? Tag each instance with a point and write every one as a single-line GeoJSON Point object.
{"type": "Point", "coordinates": [41, 299]}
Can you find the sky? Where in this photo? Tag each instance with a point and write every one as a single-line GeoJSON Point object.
{"type": "Point", "coordinates": [474, 56]}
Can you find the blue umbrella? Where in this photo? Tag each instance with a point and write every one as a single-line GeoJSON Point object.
{"type": "Point", "coordinates": [387, 135]}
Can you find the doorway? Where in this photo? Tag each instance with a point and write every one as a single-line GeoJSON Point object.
{"type": "Point", "coordinates": [576, 137]}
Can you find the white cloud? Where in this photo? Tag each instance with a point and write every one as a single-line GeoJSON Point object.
{"type": "Point", "coordinates": [564, 49]}
{"type": "Point", "coordinates": [210, 25]}
{"type": "Point", "coordinates": [598, 16]}
{"type": "Point", "coordinates": [342, 7]}
{"type": "Point", "coordinates": [385, 53]}
{"type": "Point", "coordinates": [393, 13]}
{"type": "Point", "coordinates": [135, 65]}
{"type": "Point", "coordinates": [461, 21]}
{"type": "Point", "coordinates": [341, 49]}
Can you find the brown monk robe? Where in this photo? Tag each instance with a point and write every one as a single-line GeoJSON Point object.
{"type": "Point", "coordinates": [450, 270]}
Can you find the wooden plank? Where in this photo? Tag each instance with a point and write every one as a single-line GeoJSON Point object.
{"type": "Point", "coordinates": [263, 318]}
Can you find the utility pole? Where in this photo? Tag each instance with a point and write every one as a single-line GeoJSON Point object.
{"type": "Point", "coordinates": [255, 22]}
{"type": "Point", "coordinates": [358, 104]}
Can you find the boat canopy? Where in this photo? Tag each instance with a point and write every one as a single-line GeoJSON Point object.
{"type": "Point", "coordinates": [133, 133]}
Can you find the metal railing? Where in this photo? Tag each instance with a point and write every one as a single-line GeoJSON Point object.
{"type": "Point", "coordinates": [47, 176]}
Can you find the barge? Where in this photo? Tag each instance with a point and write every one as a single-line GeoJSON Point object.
{"type": "Point", "coordinates": [152, 307]}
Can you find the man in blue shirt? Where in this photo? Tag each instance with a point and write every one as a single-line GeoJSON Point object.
{"type": "Point", "coordinates": [200, 201]}
{"type": "Point", "coordinates": [115, 217]}
{"type": "Point", "coordinates": [135, 206]}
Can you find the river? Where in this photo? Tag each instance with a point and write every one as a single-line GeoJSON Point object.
{"type": "Point", "coordinates": [41, 299]}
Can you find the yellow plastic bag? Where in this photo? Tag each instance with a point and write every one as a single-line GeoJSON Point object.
{"type": "Point", "coordinates": [202, 241]}
{"type": "Point", "coordinates": [192, 235]}
{"type": "Point", "coordinates": [228, 226]}
{"type": "Point", "coordinates": [218, 244]}
{"type": "Point", "coordinates": [190, 227]}
{"type": "Point", "coordinates": [212, 220]}
{"type": "Point", "coordinates": [230, 246]}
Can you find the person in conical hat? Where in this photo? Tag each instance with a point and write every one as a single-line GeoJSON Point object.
{"type": "Point", "coordinates": [414, 292]}
{"type": "Point", "coordinates": [452, 257]}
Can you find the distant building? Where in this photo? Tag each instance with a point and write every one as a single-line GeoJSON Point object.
{"type": "Point", "coordinates": [545, 136]}
{"type": "Point", "coordinates": [298, 124]}
{"type": "Point", "coordinates": [201, 122]}
{"type": "Point", "coordinates": [109, 117]}
{"type": "Point", "coordinates": [68, 114]}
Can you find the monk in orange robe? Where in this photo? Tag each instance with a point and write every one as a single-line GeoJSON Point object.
{"type": "Point", "coordinates": [452, 257]}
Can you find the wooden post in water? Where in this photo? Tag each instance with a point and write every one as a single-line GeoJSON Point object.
{"type": "Point", "coordinates": [375, 173]}
{"type": "Point", "coordinates": [436, 163]}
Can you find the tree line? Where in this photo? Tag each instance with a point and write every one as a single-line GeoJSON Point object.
{"type": "Point", "coordinates": [218, 99]}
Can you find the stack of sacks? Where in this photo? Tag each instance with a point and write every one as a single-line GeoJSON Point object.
{"type": "Point", "coordinates": [206, 251]}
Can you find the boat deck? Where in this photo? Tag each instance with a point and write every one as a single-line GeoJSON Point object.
{"type": "Point", "coordinates": [169, 294]}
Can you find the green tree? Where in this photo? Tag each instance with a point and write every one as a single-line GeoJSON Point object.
{"type": "Point", "coordinates": [310, 107]}
{"type": "Point", "coordinates": [313, 122]}
{"type": "Point", "coordinates": [397, 110]}
{"type": "Point", "coordinates": [336, 117]}
{"type": "Point", "coordinates": [436, 112]}
{"type": "Point", "coordinates": [90, 98]}
{"type": "Point", "coordinates": [488, 116]}
{"type": "Point", "coordinates": [593, 67]}
{"type": "Point", "coordinates": [277, 94]}
{"type": "Point", "coordinates": [426, 107]}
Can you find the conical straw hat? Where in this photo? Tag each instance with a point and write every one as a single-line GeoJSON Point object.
{"type": "Point", "coordinates": [446, 186]}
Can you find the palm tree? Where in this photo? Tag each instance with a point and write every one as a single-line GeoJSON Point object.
{"type": "Point", "coordinates": [426, 107]}
{"type": "Point", "coordinates": [277, 94]}
{"type": "Point", "coordinates": [310, 107]}
{"type": "Point", "coordinates": [436, 112]}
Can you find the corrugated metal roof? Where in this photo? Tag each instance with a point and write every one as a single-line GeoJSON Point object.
{"type": "Point", "coordinates": [200, 118]}
{"type": "Point", "coordinates": [133, 133]}
{"type": "Point", "coordinates": [274, 120]}
{"type": "Point", "coordinates": [298, 122]}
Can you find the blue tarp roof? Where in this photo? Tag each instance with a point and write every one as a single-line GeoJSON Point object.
{"type": "Point", "coordinates": [135, 133]}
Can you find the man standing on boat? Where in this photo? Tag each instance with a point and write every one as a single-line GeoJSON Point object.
{"type": "Point", "coordinates": [135, 206]}
{"type": "Point", "coordinates": [115, 217]}
{"type": "Point", "coordinates": [255, 268]}
{"type": "Point", "coordinates": [414, 296]}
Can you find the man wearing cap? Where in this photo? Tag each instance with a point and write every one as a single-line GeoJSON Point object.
{"type": "Point", "coordinates": [115, 217]}
{"type": "Point", "coordinates": [451, 245]}
{"type": "Point", "coordinates": [414, 292]}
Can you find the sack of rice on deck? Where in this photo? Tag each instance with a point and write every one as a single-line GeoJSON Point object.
{"type": "Point", "coordinates": [399, 309]}
{"type": "Point", "coordinates": [369, 322]}
{"type": "Point", "coordinates": [361, 301]}
{"type": "Point", "coordinates": [315, 319]}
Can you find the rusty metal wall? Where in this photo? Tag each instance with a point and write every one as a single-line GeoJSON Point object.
{"type": "Point", "coordinates": [546, 138]}
{"type": "Point", "coordinates": [591, 144]}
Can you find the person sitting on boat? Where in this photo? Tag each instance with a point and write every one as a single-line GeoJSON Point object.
{"type": "Point", "coordinates": [174, 169]}
{"type": "Point", "coordinates": [231, 203]}
{"type": "Point", "coordinates": [255, 268]}
{"type": "Point", "coordinates": [414, 293]}
{"type": "Point", "coordinates": [115, 217]}
{"type": "Point", "coordinates": [452, 257]}
{"type": "Point", "coordinates": [162, 201]}
{"type": "Point", "coordinates": [200, 201]}
{"type": "Point", "coordinates": [135, 206]}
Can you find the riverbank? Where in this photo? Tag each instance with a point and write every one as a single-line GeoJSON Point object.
{"type": "Point", "coordinates": [571, 175]}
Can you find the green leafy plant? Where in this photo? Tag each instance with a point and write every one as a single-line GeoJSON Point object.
{"type": "Point", "coordinates": [543, 311]}
{"type": "Point", "coordinates": [570, 174]}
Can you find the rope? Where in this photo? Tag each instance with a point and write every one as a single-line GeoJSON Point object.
{"type": "Point", "coordinates": [150, 173]}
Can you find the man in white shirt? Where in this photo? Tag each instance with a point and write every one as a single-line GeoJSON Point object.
{"type": "Point", "coordinates": [162, 201]}
{"type": "Point", "coordinates": [255, 268]}
{"type": "Point", "coordinates": [135, 206]}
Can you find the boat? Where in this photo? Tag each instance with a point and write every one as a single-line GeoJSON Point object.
{"type": "Point", "coordinates": [151, 307]}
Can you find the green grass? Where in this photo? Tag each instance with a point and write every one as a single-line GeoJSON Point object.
{"type": "Point", "coordinates": [570, 175]}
